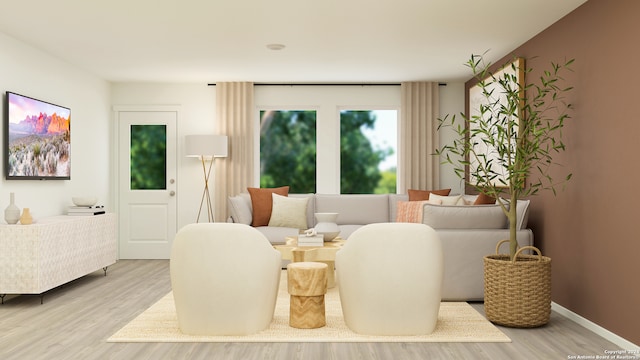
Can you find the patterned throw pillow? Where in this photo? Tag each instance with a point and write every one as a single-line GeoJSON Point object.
{"type": "Point", "coordinates": [411, 211]}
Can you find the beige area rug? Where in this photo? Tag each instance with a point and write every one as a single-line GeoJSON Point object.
{"type": "Point", "coordinates": [457, 322]}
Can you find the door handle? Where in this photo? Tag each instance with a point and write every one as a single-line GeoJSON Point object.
{"type": "Point", "coordinates": [172, 193]}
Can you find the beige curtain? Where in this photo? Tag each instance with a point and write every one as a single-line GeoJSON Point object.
{"type": "Point", "coordinates": [419, 137]}
{"type": "Point", "coordinates": [235, 118]}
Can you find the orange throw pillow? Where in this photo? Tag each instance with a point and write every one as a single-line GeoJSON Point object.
{"type": "Point", "coordinates": [483, 199]}
{"type": "Point", "coordinates": [262, 203]}
{"type": "Point", "coordinates": [410, 211]}
{"type": "Point", "coordinates": [421, 195]}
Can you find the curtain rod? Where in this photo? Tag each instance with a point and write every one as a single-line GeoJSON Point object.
{"type": "Point", "coordinates": [327, 84]}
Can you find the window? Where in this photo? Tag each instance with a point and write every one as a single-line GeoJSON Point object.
{"type": "Point", "coordinates": [368, 151]}
{"type": "Point", "coordinates": [288, 149]}
{"type": "Point", "coordinates": [148, 157]}
{"type": "Point", "coordinates": [301, 137]}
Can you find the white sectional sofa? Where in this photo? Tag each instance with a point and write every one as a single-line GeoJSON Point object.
{"type": "Point", "coordinates": [467, 232]}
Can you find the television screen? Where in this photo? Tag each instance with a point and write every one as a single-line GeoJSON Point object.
{"type": "Point", "coordinates": [37, 139]}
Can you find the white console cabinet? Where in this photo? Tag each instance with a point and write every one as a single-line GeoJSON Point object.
{"type": "Point", "coordinates": [53, 251]}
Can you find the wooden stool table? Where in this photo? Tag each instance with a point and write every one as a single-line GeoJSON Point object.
{"type": "Point", "coordinates": [324, 254]}
{"type": "Point", "coordinates": [307, 284]}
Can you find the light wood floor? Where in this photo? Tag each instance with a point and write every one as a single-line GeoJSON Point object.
{"type": "Point", "coordinates": [76, 320]}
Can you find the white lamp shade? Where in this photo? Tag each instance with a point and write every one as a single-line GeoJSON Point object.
{"type": "Point", "coordinates": [207, 145]}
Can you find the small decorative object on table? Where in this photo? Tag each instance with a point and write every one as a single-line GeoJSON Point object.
{"type": "Point", "coordinates": [327, 226]}
{"type": "Point", "coordinates": [12, 212]}
{"type": "Point", "coordinates": [85, 206]}
{"type": "Point", "coordinates": [310, 238]}
{"type": "Point", "coordinates": [26, 218]}
{"type": "Point", "coordinates": [86, 210]}
{"type": "Point", "coordinates": [84, 200]}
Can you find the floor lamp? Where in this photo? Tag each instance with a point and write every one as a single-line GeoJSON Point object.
{"type": "Point", "coordinates": [207, 148]}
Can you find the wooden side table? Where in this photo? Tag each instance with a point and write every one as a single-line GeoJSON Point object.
{"type": "Point", "coordinates": [307, 284]}
{"type": "Point", "coordinates": [325, 254]}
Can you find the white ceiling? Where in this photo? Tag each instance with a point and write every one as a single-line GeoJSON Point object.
{"type": "Point", "coordinates": [327, 41]}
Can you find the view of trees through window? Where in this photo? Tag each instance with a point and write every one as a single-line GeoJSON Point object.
{"type": "Point", "coordinates": [288, 150]}
{"type": "Point", "coordinates": [368, 142]}
{"type": "Point", "coordinates": [148, 157]}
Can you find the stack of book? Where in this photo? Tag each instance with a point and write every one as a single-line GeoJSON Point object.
{"type": "Point", "coordinates": [86, 210]}
{"type": "Point", "coordinates": [317, 240]}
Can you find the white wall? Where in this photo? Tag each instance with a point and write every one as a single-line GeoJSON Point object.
{"type": "Point", "coordinates": [31, 72]}
{"type": "Point", "coordinates": [196, 115]}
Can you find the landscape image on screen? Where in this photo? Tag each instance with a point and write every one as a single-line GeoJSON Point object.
{"type": "Point", "coordinates": [39, 139]}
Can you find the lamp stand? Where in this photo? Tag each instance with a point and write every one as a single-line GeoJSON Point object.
{"type": "Point", "coordinates": [205, 192]}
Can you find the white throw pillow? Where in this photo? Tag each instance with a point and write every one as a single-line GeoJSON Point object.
{"type": "Point", "coordinates": [522, 213]}
{"type": "Point", "coordinates": [522, 210]}
{"type": "Point", "coordinates": [289, 212]}
{"type": "Point", "coordinates": [446, 200]}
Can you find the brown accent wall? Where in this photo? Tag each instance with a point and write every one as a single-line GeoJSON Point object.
{"type": "Point", "coordinates": [591, 229]}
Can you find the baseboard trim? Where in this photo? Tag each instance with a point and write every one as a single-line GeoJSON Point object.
{"type": "Point", "coordinates": [616, 339]}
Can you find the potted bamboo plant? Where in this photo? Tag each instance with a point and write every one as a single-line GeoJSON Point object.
{"type": "Point", "coordinates": [505, 150]}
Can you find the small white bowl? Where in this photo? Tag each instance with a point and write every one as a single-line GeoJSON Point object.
{"type": "Point", "coordinates": [84, 201]}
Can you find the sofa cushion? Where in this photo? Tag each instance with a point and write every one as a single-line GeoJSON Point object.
{"type": "Point", "coordinates": [419, 195]}
{"type": "Point", "coordinates": [393, 205]}
{"type": "Point", "coordinates": [277, 235]}
{"type": "Point", "coordinates": [240, 208]}
{"type": "Point", "coordinates": [262, 203]}
{"type": "Point", "coordinates": [289, 212]}
{"type": "Point", "coordinates": [311, 207]}
{"type": "Point", "coordinates": [464, 217]}
{"type": "Point", "coordinates": [346, 230]}
{"type": "Point", "coordinates": [355, 209]}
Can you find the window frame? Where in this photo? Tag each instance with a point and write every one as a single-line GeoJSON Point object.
{"type": "Point", "coordinates": [327, 101]}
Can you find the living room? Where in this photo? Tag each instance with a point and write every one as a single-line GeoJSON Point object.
{"type": "Point", "coordinates": [588, 236]}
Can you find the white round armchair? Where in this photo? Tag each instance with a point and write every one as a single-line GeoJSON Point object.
{"type": "Point", "coordinates": [225, 279]}
{"type": "Point", "coordinates": [389, 277]}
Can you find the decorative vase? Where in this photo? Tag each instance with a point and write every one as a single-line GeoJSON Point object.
{"type": "Point", "coordinates": [517, 293]}
{"type": "Point", "coordinates": [26, 218]}
{"type": "Point", "coordinates": [327, 226]}
{"type": "Point", "coordinates": [12, 212]}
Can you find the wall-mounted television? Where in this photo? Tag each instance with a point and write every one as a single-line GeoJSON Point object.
{"type": "Point", "coordinates": [37, 139]}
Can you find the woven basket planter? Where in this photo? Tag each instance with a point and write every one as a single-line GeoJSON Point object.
{"type": "Point", "coordinates": [517, 293]}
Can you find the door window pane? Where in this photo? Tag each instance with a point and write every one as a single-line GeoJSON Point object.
{"type": "Point", "coordinates": [368, 148]}
{"type": "Point", "coordinates": [288, 149]}
{"type": "Point", "coordinates": [148, 150]}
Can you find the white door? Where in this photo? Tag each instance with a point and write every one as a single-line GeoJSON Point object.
{"type": "Point", "coordinates": [146, 183]}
